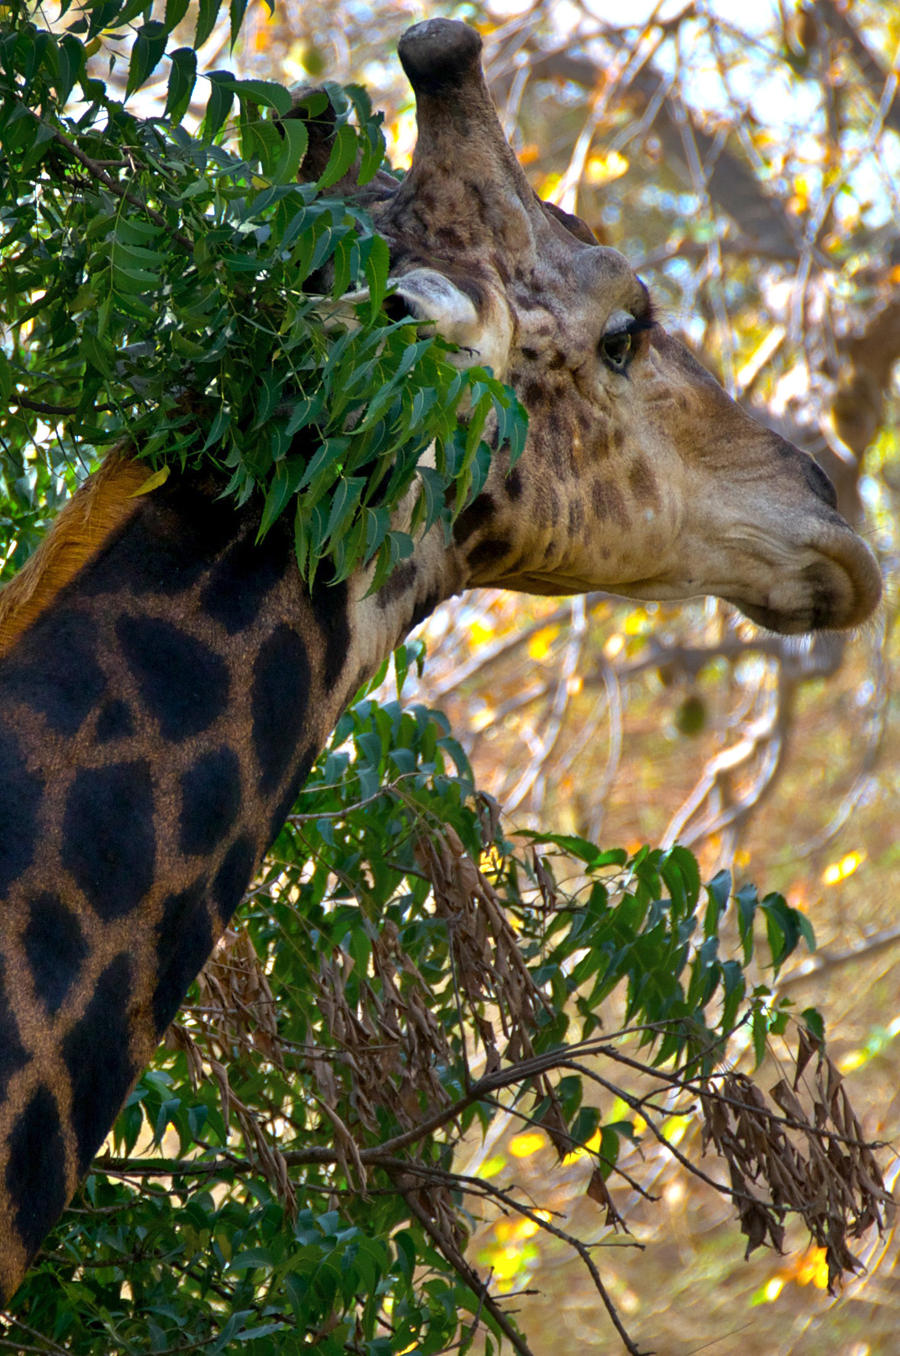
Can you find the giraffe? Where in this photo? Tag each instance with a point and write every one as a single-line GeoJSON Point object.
{"type": "Point", "coordinates": [166, 682]}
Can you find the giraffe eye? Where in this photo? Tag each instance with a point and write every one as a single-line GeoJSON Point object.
{"type": "Point", "coordinates": [617, 349]}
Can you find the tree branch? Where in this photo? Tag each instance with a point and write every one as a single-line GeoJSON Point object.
{"type": "Point", "coordinates": [467, 1275]}
{"type": "Point", "coordinates": [96, 171]}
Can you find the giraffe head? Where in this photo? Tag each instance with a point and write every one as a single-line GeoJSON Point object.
{"type": "Point", "coordinates": [640, 475]}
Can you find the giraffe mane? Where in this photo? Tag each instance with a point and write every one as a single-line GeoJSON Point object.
{"type": "Point", "coordinates": [101, 506]}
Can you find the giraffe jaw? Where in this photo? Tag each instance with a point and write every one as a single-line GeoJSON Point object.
{"type": "Point", "coordinates": [826, 585]}
{"type": "Point", "coordinates": [829, 593]}
{"type": "Point", "coordinates": [832, 598]}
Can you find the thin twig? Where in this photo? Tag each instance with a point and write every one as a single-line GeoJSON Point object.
{"type": "Point", "coordinates": [468, 1276]}
{"type": "Point", "coordinates": [96, 170]}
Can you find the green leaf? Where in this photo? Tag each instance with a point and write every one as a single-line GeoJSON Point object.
{"type": "Point", "coordinates": [146, 53]}
{"type": "Point", "coordinates": [69, 65]}
{"type": "Point", "coordinates": [581, 848]}
{"type": "Point", "coordinates": [812, 1019]}
{"type": "Point", "coordinates": [207, 13]}
{"type": "Point", "coordinates": [784, 927]}
{"type": "Point", "coordinates": [377, 267]}
{"type": "Point", "coordinates": [175, 12]}
{"type": "Point", "coordinates": [734, 987]}
{"type": "Point", "coordinates": [760, 1030]}
{"type": "Point", "coordinates": [182, 78]}
{"type": "Point", "coordinates": [719, 892]}
{"type": "Point", "coordinates": [236, 11]}
{"type": "Point", "coordinates": [266, 92]}
{"type": "Point", "coordinates": [287, 165]}
{"type": "Point", "coordinates": [342, 156]}
{"type": "Point", "coordinates": [221, 97]}
{"type": "Point", "coordinates": [746, 900]}
{"type": "Point", "coordinates": [344, 501]}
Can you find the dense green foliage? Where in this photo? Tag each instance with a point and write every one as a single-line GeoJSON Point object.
{"type": "Point", "coordinates": [162, 287]}
{"type": "Point", "coordinates": [307, 1105]}
{"type": "Point", "coordinates": [283, 1177]}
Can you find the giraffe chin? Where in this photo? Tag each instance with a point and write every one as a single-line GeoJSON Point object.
{"type": "Point", "coordinates": [829, 598]}
{"type": "Point", "coordinates": [815, 617]}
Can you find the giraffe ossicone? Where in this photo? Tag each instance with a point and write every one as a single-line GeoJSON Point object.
{"type": "Point", "coordinates": [166, 682]}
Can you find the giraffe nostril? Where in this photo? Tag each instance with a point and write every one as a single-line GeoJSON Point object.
{"type": "Point", "coordinates": [818, 482]}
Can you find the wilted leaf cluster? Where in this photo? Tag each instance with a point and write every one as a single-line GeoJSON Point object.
{"type": "Point", "coordinates": [810, 1161]}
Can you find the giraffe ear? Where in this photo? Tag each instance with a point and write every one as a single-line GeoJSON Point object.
{"type": "Point", "coordinates": [432, 298]}
{"type": "Point", "coordinates": [439, 306]}
{"type": "Point", "coordinates": [423, 295]}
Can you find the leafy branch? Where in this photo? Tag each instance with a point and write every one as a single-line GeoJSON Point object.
{"type": "Point", "coordinates": [173, 293]}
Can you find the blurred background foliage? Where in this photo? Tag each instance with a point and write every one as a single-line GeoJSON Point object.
{"type": "Point", "coordinates": [746, 158]}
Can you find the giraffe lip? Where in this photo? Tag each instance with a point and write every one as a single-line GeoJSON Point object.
{"type": "Point", "coordinates": [784, 623]}
{"type": "Point", "coordinates": [851, 559]}
{"type": "Point", "coordinates": [837, 592]}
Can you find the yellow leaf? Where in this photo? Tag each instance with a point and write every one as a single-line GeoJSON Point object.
{"type": "Point", "coordinates": [509, 1231]}
{"type": "Point", "coordinates": [491, 1166]}
{"type": "Point", "coordinates": [491, 860]}
{"type": "Point", "coordinates": [675, 1128]}
{"type": "Point", "coordinates": [590, 1146]}
{"type": "Point", "coordinates": [810, 1267]}
{"type": "Point", "coordinates": [548, 185]}
{"type": "Point", "coordinates": [838, 871]}
{"type": "Point", "coordinates": [602, 169]}
{"type": "Point", "coordinates": [853, 1059]}
{"type": "Point", "coordinates": [153, 482]}
{"type": "Point", "coordinates": [541, 641]}
{"type": "Point", "coordinates": [526, 1144]}
{"type": "Point", "coordinates": [479, 631]}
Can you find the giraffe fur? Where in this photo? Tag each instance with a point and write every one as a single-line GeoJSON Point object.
{"type": "Point", "coordinates": [79, 531]}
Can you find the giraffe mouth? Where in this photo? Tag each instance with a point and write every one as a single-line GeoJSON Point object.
{"type": "Point", "coordinates": [836, 592]}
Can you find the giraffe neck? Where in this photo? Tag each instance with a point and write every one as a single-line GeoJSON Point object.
{"type": "Point", "coordinates": [157, 720]}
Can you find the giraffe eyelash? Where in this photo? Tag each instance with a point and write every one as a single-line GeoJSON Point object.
{"type": "Point", "coordinates": [618, 347]}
